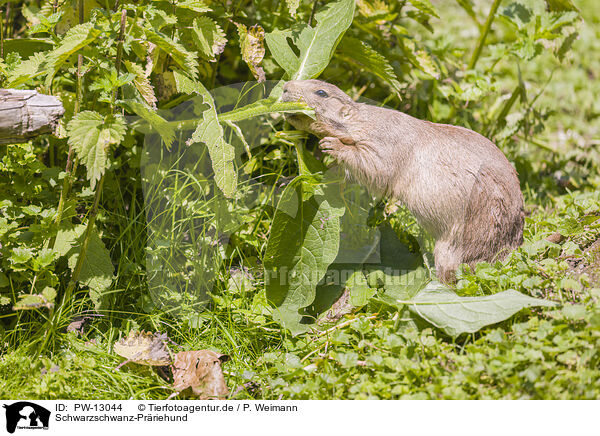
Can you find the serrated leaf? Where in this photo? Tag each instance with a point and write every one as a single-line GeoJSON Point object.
{"type": "Point", "coordinates": [425, 7]}
{"type": "Point", "coordinates": [193, 5]}
{"type": "Point", "coordinates": [75, 39]}
{"type": "Point", "coordinates": [142, 83]}
{"type": "Point", "coordinates": [185, 59]}
{"type": "Point", "coordinates": [316, 45]}
{"type": "Point", "coordinates": [209, 38]}
{"type": "Point", "coordinates": [36, 301]}
{"type": "Point", "coordinates": [156, 122]}
{"type": "Point", "coordinates": [365, 56]}
{"type": "Point", "coordinates": [210, 132]}
{"type": "Point", "coordinates": [27, 70]}
{"type": "Point", "coordinates": [90, 135]}
{"type": "Point", "coordinates": [419, 58]}
{"type": "Point", "coordinates": [455, 315]}
{"type": "Point", "coordinates": [253, 49]}
{"type": "Point", "coordinates": [303, 242]}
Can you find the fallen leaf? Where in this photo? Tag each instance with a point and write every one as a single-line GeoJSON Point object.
{"type": "Point", "coordinates": [201, 372]}
{"type": "Point", "coordinates": [144, 348]}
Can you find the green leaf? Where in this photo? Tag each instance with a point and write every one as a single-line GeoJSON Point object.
{"type": "Point", "coordinates": [316, 45]}
{"type": "Point", "coordinates": [209, 38]}
{"type": "Point", "coordinates": [425, 7]}
{"type": "Point", "coordinates": [156, 122]}
{"type": "Point", "coordinates": [75, 39]}
{"type": "Point", "coordinates": [90, 135]}
{"type": "Point", "coordinates": [366, 57]}
{"type": "Point", "coordinates": [185, 59]}
{"type": "Point", "coordinates": [142, 83]}
{"type": "Point", "coordinates": [27, 70]}
{"type": "Point", "coordinates": [359, 289]}
{"type": "Point", "coordinates": [210, 132]}
{"type": "Point", "coordinates": [36, 301]}
{"type": "Point", "coordinates": [303, 242]}
{"type": "Point", "coordinates": [266, 106]}
{"type": "Point", "coordinates": [455, 315]}
{"type": "Point", "coordinates": [561, 5]}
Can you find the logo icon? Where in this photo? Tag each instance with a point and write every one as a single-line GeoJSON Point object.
{"type": "Point", "coordinates": [26, 415]}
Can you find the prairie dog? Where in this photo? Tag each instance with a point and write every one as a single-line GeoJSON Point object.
{"type": "Point", "coordinates": [458, 184]}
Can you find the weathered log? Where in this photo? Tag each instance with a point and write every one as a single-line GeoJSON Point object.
{"type": "Point", "coordinates": [25, 114]}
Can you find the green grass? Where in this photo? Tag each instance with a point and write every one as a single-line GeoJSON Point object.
{"type": "Point", "coordinates": [374, 353]}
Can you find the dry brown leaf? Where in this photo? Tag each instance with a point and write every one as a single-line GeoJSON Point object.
{"type": "Point", "coordinates": [144, 348]}
{"type": "Point", "coordinates": [252, 43]}
{"type": "Point", "coordinates": [201, 372]}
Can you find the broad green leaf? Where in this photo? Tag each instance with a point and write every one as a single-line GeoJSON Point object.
{"type": "Point", "coordinates": [316, 45]}
{"type": "Point", "coordinates": [209, 38]}
{"type": "Point", "coordinates": [75, 39]}
{"type": "Point", "coordinates": [26, 47]}
{"type": "Point", "coordinates": [210, 132]}
{"type": "Point", "coordinates": [185, 59]}
{"type": "Point", "coordinates": [90, 135]}
{"type": "Point", "coordinates": [27, 70]}
{"type": "Point", "coordinates": [455, 315]}
{"type": "Point", "coordinates": [366, 57]}
{"type": "Point", "coordinates": [303, 242]}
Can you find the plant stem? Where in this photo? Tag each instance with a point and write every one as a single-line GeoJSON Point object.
{"type": "Point", "coordinates": [120, 49]}
{"type": "Point", "coordinates": [484, 33]}
{"type": "Point", "coordinates": [506, 108]}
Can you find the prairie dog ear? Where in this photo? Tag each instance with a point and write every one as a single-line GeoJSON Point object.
{"type": "Point", "coordinates": [347, 111]}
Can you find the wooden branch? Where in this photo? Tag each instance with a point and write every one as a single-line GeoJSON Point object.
{"type": "Point", "coordinates": [25, 114]}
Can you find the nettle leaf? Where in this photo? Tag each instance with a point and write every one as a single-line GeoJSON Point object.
{"type": "Point", "coordinates": [75, 39]}
{"type": "Point", "coordinates": [185, 59]}
{"type": "Point", "coordinates": [419, 58]}
{"type": "Point", "coordinates": [27, 70]}
{"type": "Point", "coordinates": [209, 38]}
{"type": "Point", "coordinates": [253, 49]}
{"type": "Point", "coordinates": [455, 315]}
{"type": "Point", "coordinates": [193, 5]}
{"type": "Point", "coordinates": [97, 268]}
{"type": "Point", "coordinates": [366, 57]}
{"type": "Point", "coordinates": [303, 242]}
{"type": "Point", "coordinates": [142, 83]}
{"type": "Point", "coordinates": [210, 132]}
{"type": "Point", "coordinates": [90, 135]}
{"type": "Point", "coordinates": [425, 7]}
{"type": "Point", "coordinates": [316, 45]}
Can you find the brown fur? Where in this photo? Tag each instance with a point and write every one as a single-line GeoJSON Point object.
{"type": "Point", "coordinates": [458, 184]}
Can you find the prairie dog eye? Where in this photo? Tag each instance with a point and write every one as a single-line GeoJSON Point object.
{"type": "Point", "coordinates": [322, 93]}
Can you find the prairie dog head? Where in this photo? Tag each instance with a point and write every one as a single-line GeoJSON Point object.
{"type": "Point", "coordinates": [334, 109]}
